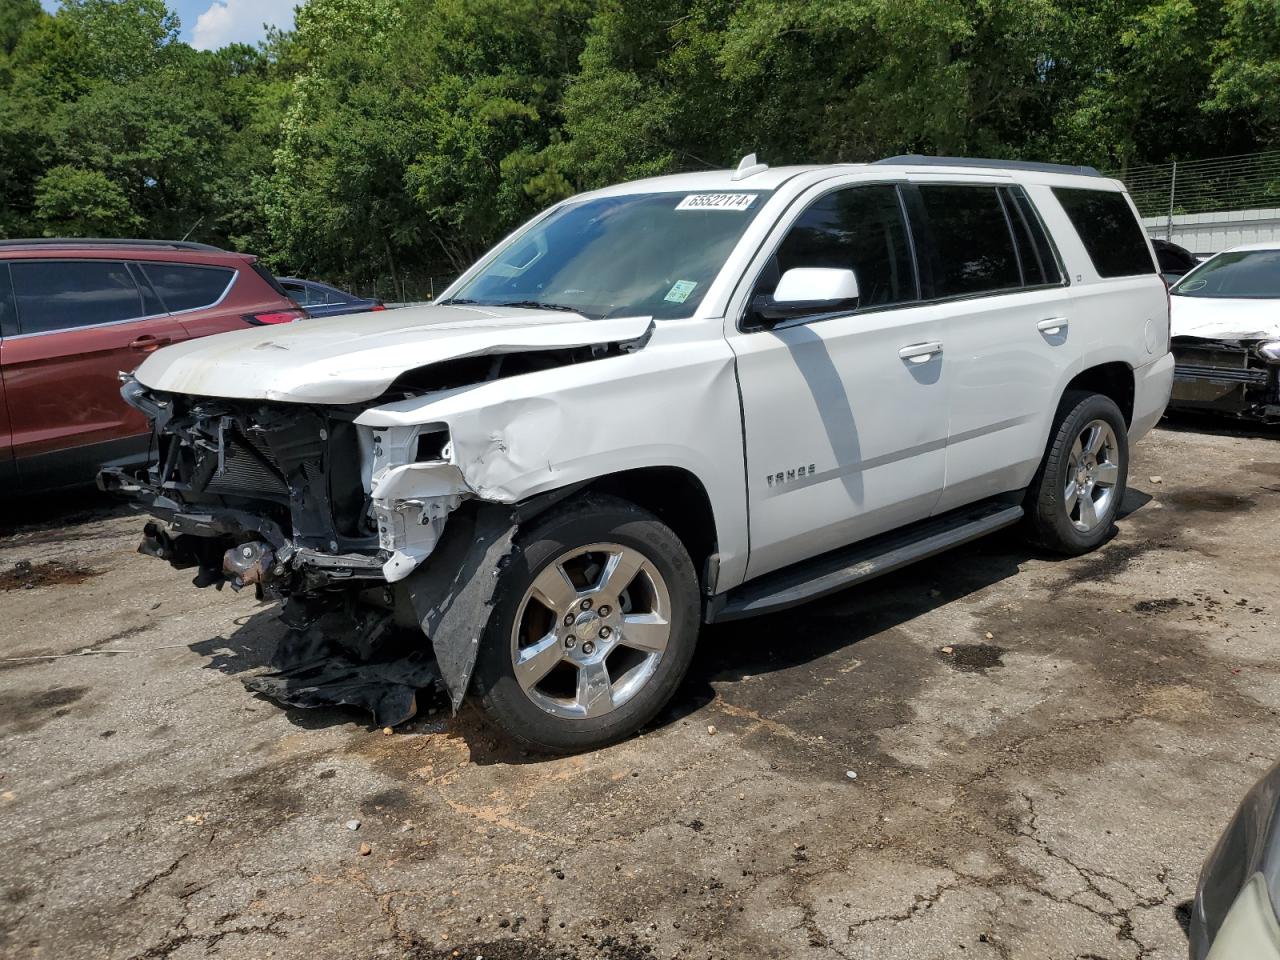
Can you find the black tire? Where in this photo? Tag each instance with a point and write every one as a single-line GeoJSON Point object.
{"type": "Point", "coordinates": [1049, 520]}
{"type": "Point", "coordinates": [584, 521]}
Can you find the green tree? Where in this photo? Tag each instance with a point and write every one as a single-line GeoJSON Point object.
{"type": "Point", "coordinates": [71, 202]}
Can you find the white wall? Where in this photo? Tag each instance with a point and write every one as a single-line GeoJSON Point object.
{"type": "Point", "coordinates": [1207, 233]}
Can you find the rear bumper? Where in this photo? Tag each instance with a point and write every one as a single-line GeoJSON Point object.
{"type": "Point", "coordinates": [1151, 388]}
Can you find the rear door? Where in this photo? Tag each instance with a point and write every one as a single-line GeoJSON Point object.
{"type": "Point", "coordinates": [79, 324]}
{"type": "Point", "coordinates": [1006, 320]}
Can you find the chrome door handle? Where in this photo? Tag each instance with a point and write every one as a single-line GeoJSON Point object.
{"type": "Point", "coordinates": [1052, 325]}
{"type": "Point", "coordinates": [147, 343]}
{"type": "Point", "coordinates": [920, 352]}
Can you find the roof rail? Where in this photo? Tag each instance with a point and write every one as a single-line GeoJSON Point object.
{"type": "Point", "coordinates": [918, 160]}
{"type": "Point", "coordinates": [108, 242]}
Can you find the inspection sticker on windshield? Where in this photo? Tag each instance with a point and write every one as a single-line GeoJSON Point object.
{"type": "Point", "coordinates": [680, 291]}
{"type": "Point", "coordinates": [716, 201]}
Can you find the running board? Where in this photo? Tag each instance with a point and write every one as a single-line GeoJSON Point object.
{"type": "Point", "coordinates": [860, 562]}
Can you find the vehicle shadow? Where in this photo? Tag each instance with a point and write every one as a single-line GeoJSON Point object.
{"type": "Point", "coordinates": [1182, 421]}
{"type": "Point", "coordinates": [726, 652]}
{"type": "Point", "coordinates": [35, 513]}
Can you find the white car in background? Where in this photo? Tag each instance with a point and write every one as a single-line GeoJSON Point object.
{"type": "Point", "coordinates": [1225, 320]}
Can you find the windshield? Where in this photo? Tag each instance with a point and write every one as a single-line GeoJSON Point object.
{"type": "Point", "coordinates": [1243, 275]}
{"type": "Point", "coordinates": [652, 254]}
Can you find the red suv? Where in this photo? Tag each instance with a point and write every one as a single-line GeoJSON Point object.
{"type": "Point", "coordinates": [75, 313]}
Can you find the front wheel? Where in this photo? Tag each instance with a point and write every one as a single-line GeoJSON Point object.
{"type": "Point", "coordinates": [1074, 499]}
{"type": "Point", "coordinates": [593, 630]}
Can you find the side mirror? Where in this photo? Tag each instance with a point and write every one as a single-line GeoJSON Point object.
{"type": "Point", "coordinates": [807, 291]}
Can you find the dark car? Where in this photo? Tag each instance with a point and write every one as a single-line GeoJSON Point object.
{"type": "Point", "coordinates": [1236, 915]}
{"type": "Point", "coordinates": [322, 300]}
{"type": "Point", "coordinates": [74, 314]}
{"type": "Point", "coordinates": [1174, 260]}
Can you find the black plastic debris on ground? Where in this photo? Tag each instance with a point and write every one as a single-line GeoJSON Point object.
{"type": "Point", "coordinates": [315, 669]}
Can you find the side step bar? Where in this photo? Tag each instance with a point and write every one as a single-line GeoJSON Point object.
{"type": "Point", "coordinates": [860, 562]}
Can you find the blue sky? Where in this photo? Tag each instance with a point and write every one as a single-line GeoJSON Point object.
{"type": "Point", "coordinates": [209, 24]}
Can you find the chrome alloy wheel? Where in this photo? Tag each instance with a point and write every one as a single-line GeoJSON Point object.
{"type": "Point", "coordinates": [1093, 471]}
{"type": "Point", "coordinates": [590, 630]}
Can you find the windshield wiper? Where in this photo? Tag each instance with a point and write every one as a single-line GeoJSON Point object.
{"type": "Point", "coordinates": [453, 300]}
{"type": "Point", "coordinates": [538, 305]}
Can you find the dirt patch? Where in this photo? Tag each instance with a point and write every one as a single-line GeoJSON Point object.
{"type": "Point", "coordinates": [972, 657]}
{"type": "Point", "coordinates": [1162, 605]}
{"type": "Point", "coordinates": [605, 948]}
{"type": "Point", "coordinates": [1271, 469]}
{"type": "Point", "coordinates": [1207, 501]}
{"type": "Point", "coordinates": [23, 714]}
{"type": "Point", "coordinates": [25, 575]}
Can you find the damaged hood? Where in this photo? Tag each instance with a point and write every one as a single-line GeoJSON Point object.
{"type": "Point", "coordinates": [353, 358]}
{"type": "Point", "coordinates": [1219, 319]}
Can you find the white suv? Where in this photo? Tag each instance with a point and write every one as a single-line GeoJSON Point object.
{"type": "Point", "coordinates": [676, 401]}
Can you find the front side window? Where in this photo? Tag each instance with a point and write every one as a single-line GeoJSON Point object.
{"type": "Point", "coordinates": [184, 286]}
{"type": "Point", "coordinates": [62, 294]}
{"type": "Point", "coordinates": [652, 254]}
{"type": "Point", "coordinates": [1111, 234]}
{"type": "Point", "coordinates": [859, 229]}
{"type": "Point", "coordinates": [1242, 275]}
{"type": "Point", "coordinates": [972, 244]}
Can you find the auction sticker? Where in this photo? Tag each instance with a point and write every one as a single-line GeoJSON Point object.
{"type": "Point", "coordinates": [716, 201]}
{"type": "Point", "coordinates": [680, 291]}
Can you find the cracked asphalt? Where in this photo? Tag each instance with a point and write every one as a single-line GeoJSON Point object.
{"type": "Point", "coordinates": [1044, 750]}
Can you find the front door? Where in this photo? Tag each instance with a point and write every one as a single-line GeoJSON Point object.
{"type": "Point", "coordinates": [845, 415]}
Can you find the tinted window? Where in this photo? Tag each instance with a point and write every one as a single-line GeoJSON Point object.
{"type": "Point", "coordinates": [185, 287]}
{"type": "Point", "coordinates": [860, 229]}
{"type": "Point", "coordinates": [56, 295]}
{"type": "Point", "coordinates": [1114, 239]}
{"type": "Point", "coordinates": [971, 240]}
{"type": "Point", "coordinates": [1244, 274]}
{"type": "Point", "coordinates": [8, 316]}
{"type": "Point", "coordinates": [1039, 265]}
{"type": "Point", "coordinates": [301, 294]}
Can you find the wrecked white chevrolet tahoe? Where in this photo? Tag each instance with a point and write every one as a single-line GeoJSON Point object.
{"type": "Point", "coordinates": [670, 402]}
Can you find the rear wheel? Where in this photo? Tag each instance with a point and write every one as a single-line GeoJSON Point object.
{"type": "Point", "coordinates": [1073, 501]}
{"type": "Point", "coordinates": [594, 628]}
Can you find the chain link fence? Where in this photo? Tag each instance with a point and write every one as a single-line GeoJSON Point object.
{"type": "Point", "coordinates": [1168, 190]}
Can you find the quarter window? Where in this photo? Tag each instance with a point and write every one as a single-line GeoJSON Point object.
{"type": "Point", "coordinates": [185, 287]}
{"type": "Point", "coordinates": [972, 243]}
{"type": "Point", "coordinates": [59, 295]}
{"type": "Point", "coordinates": [1112, 236]}
{"type": "Point", "coordinates": [859, 229]}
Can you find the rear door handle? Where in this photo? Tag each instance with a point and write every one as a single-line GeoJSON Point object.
{"type": "Point", "coordinates": [147, 343]}
{"type": "Point", "coordinates": [920, 352]}
{"type": "Point", "coordinates": [1052, 325]}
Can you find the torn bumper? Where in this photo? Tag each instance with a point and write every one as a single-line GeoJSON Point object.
{"type": "Point", "coordinates": [1225, 376]}
{"type": "Point", "coordinates": [336, 521]}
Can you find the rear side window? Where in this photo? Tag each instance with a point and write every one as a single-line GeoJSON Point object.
{"type": "Point", "coordinates": [973, 247]}
{"type": "Point", "coordinates": [1112, 236]}
{"type": "Point", "coordinates": [1035, 253]}
{"type": "Point", "coordinates": [62, 294]}
{"type": "Point", "coordinates": [859, 229]}
{"type": "Point", "coordinates": [183, 286]}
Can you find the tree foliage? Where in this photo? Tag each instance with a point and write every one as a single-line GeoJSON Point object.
{"type": "Point", "coordinates": [387, 138]}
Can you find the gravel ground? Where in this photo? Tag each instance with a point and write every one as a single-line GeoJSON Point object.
{"type": "Point", "coordinates": [1044, 752]}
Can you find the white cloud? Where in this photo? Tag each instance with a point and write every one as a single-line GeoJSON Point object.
{"type": "Point", "coordinates": [239, 21]}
